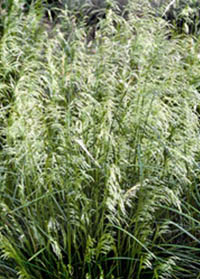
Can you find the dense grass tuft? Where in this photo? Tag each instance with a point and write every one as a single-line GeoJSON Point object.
{"type": "Point", "coordinates": [99, 148]}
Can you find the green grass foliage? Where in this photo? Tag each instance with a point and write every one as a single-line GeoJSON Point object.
{"type": "Point", "coordinates": [184, 14]}
{"type": "Point", "coordinates": [99, 148]}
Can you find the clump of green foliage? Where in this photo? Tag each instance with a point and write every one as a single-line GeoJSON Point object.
{"type": "Point", "coordinates": [99, 149]}
{"type": "Point", "coordinates": [183, 14]}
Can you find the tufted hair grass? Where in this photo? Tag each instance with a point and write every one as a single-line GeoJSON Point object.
{"type": "Point", "coordinates": [99, 148]}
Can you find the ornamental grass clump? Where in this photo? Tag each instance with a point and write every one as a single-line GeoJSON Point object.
{"type": "Point", "coordinates": [99, 149]}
